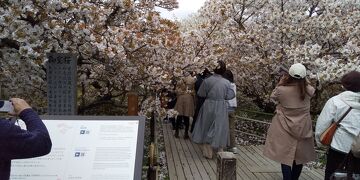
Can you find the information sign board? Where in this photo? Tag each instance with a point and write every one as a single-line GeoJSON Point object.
{"type": "Point", "coordinates": [88, 148]}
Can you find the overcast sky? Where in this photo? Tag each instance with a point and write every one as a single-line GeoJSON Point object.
{"type": "Point", "coordinates": [186, 7]}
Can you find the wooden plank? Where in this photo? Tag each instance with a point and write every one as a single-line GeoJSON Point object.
{"type": "Point", "coordinates": [259, 151]}
{"type": "Point", "coordinates": [253, 162]}
{"type": "Point", "coordinates": [178, 165]}
{"type": "Point", "coordinates": [206, 162]}
{"type": "Point", "coordinates": [183, 159]}
{"type": "Point", "coordinates": [242, 171]}
{"type": "Point", "coordinates": [315, 174]}
{"type": "Point", "coordinates": [211, 162]}
{"type": "Point", "coordinates": [275, 176]}
{"type": "Point", "coordinates": [243, 164]}
{"type": "Point", "coordinates": [306, 173]}
{"type": "Point", "coordinates": [256, 156]}
{"type": "Point", "coordinates": [320, 173]}
{"type": "Point", "coordinates": [169, 155]}
{"type": "Point", "coordinates": [273, 167]}
{"type": "Point", "coordinates": [198, 161]}
{"type": "Point", "coordinates": [280, 175]}
{"type": "Point", "coordinates": [238, 177]}
{"type": "Point", "coordinates": [191, 164]}
{"type": "Point", "coordinates": [302, 177]}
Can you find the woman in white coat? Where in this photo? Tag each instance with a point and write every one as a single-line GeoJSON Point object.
{"type": "Point", "coordinates": [232, 104]}
{"type": "Point", "coordinates": [349, 127]}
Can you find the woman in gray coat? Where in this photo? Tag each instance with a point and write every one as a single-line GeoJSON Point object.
{"type": "Point", "coordinates": [212, 126]}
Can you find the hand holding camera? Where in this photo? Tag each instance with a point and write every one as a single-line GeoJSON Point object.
{"type": "Point", "coordinates": [14, 106]}
{"type": "Point", "coordinates": [6, 106]}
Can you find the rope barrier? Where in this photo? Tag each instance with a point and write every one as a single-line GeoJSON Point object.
{"type": "Point", "coordinates": [253, 120]}
{"type": "Point", "coordinates": [257, 112]}
{"type": "Point", "coordinates": [250, 134]}
{"type": "Point", "coordinates": [261, 137]}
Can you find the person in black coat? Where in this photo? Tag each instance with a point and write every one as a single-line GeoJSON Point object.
{"type": "Point", "coordinates": [16, 143]}
{"type": "Point", "coordinates": [199, 100]}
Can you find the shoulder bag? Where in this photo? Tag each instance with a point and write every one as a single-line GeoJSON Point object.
{"type": "Point", "coordinates": [327, 135]}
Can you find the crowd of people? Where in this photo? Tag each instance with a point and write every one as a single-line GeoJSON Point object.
{"type": "Point", "coordinates": [210, 101]}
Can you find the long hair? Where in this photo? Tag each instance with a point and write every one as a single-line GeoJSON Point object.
{"type": "Point", "coordinates": [351, 81]}
{"type": "Point", "coordinates": [228, 75]}
{"type": "Point", "coordinates": [220, 68]}
{"type": "Point", "coordinates": [300, 83]}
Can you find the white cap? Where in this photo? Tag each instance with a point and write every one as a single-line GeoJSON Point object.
{"type": "Point", "coordinates": [297, 71]}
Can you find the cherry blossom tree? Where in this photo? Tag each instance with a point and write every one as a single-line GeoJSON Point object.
{"type": "Point", "coordinates": [124, 45]}
{"type": "Point", "coordinates": [256, 37]}
{"type": "Point", "coordinates": [117, 44]}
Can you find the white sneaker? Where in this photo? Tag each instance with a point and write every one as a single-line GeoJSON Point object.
{"type": "Point", "coordinates": [235, 150]}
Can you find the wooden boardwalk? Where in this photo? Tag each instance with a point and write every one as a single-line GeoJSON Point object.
{"type": "Point", "coordinates": [185, 161]}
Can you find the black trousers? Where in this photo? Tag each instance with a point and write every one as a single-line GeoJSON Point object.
{"type": "Point", "coordinates": [334, 159]}
{"type": "Point", "coordinates": [184, 119]}
{"type": "Point", "coordinates": [291, 172]}
{"type": "Point", "coordinates": [199, 103]}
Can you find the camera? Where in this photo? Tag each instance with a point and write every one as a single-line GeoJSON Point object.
{"type": "Point", "coordinates": [282, 70]}
{"type": "Point", "coordinates": [6, 106]}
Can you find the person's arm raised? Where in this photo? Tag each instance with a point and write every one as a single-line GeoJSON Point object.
{"type": "Point", "coordinates": [32, 142]}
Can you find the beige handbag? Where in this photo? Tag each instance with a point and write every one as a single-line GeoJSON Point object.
{"type": "Point", "coordinates": [355, 147]}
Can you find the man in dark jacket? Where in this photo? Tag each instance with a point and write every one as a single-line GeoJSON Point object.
{"type": "Point", "coordinates": [16, 143]}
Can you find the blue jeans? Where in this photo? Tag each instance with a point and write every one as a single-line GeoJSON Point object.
{"type": "Point", "coordinates": [291, 173]}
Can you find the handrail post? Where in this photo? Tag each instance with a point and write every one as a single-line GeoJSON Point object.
{"type": "Point", "coordinates": [133, 104]}
{"type": "Point", "coordinates": [226, 166]}
{"type": "Point", "coordinates": [152, 171]}
{"type": "Point", "coordinates": [152, 127]}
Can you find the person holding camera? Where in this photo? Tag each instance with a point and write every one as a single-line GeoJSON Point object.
{"type": "Point", "coordinates": [289, 139]}
{"type": "Point", "coordinates": [16, 143]}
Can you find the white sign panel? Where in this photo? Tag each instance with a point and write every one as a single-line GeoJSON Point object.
{"type": "Point", "coordinates": [87, 149]}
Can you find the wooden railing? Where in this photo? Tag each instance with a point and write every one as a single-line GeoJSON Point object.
{"type": "Point", "coordinates": [261, 122]}
{"type": "Point", "coordinates": [252, 120]}
{"type": "Point", "coordinates": [152, 169]}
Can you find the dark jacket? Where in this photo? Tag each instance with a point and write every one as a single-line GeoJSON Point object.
{"type": "Point", "coordinates": [16, 143]}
